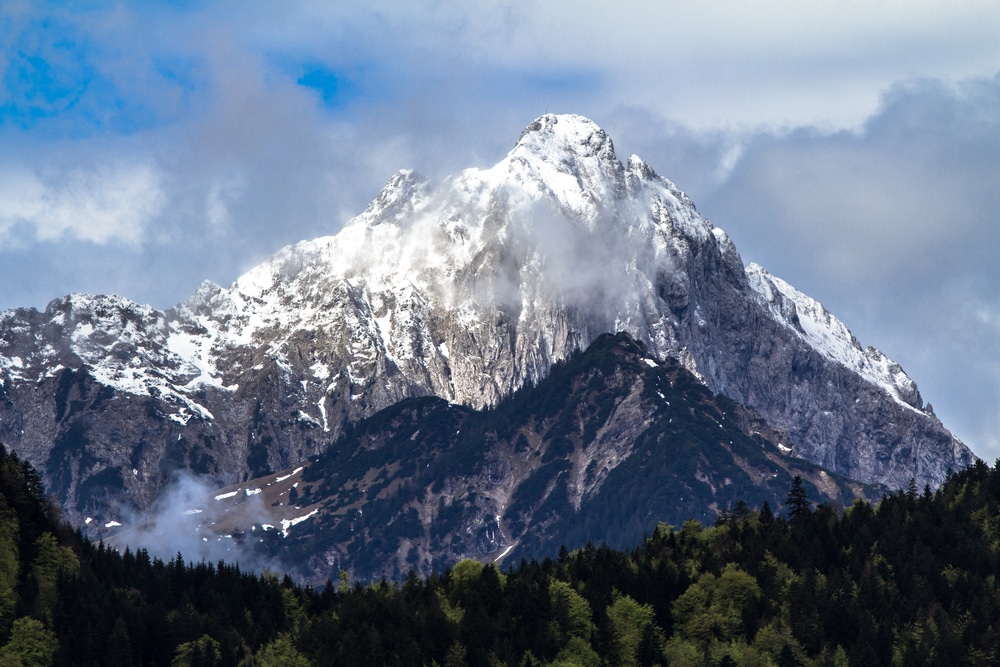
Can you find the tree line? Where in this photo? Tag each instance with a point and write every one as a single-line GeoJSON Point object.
{"type": "Point", "coordinates": [910, 580]}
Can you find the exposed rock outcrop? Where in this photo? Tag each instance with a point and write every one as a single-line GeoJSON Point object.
{"type": "Point", "coordinates": [465, 290]}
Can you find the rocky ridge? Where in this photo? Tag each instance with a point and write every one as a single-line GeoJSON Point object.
{"type": "Point", "coordinates": [466, 290]}
{"type": "Point", "coordinates": [603, 448]}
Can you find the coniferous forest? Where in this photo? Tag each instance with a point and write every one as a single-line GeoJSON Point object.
{"type": "Point", "coordinates": [910, 580]}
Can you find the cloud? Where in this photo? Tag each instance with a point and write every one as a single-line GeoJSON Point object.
{"type": "Point", "coordinates": [103, 204]}
{"type": "Point", "coordinates": [183, 521]}
{"type": "Point", "coordinates": [914, 183]}
{"type": "Point", "coordinates": [727, 64]}
{"type": "Point", "coordinates": [221, 197]}
{"type": "Point", "coordinates": [893, 228]}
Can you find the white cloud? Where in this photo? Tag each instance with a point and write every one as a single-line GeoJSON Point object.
{"type": "Point", "coordinates": [220, 198]}
{"type": "Point", "coordinates": [709, 65]}
{"type": "Point", "coordinates": [183, 520]}
{"type": "Point", "coordinates": [102, 204]}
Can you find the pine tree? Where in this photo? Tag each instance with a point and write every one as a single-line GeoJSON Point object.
{"type": "Point", "coordinates": [30, 644]}
{"type": "Point", "coordinates": [798, 499]}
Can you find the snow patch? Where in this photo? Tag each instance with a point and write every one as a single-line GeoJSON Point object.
{"type": "Point", "coordinates": [320, 371]}
{"type": "Point", "coordinates": [504, 553]}
{"type": "Point", "coordinates": [321, 404]}
{"type": "Point", "coordinates": [282, 478]}
{"type": "Point", "coordinates": [288, 523]}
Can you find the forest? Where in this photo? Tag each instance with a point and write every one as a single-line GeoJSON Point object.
{"type": "Point", "coordinates": [909, 580]}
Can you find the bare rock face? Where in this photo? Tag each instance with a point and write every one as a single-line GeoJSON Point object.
{"type": "Point", "coordinates": [465, 290]}
{"type": "Point", "coordinates": [609, 443]}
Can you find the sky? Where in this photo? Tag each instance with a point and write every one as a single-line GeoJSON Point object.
{"type": "Point", "coordinates": [850, 147]}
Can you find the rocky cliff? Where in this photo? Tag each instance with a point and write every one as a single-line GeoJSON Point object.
{"type": "Point", "coordinates": [466, 290]}
{"type": "Point", "coordinates": [608, 444]}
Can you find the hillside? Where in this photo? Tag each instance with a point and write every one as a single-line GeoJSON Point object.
{"type": "Point", "coordinates": [605, 446]}
{"type": "Point", "coordinates": [908, 581]}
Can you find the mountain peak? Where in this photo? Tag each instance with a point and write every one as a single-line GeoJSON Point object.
{"type": "Point", "coordinates": [465, 289]}
{"type": "Point", "coordinates": [571, 158]}
{"type": "Point", "coordinates": [566, 136]}
{"type": "Point", "coordinates": [568, 130]}
{"type": "Point", "coordinates": [397, 198]}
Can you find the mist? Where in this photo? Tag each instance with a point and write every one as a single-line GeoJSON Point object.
{"type": "Point", "coordinates": [189, 518]}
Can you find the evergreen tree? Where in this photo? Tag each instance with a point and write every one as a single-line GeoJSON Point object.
{"type": "Point", "coordinates": [30, 645]}
{"type": "Point", "coordinates": [281, 653]}
{"type": "Point", "coordinates": [203, 652]}
{"type": "Point", "coordinates": [798, 499]}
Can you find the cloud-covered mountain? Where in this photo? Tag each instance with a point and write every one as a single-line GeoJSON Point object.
{"type": "Point", "coordinates": [465, 289]}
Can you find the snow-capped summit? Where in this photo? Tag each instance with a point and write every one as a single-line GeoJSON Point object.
{"type": "Point", "coordinates": [464, 289]}
{"type": "Point", "coordinates": [569, 158]}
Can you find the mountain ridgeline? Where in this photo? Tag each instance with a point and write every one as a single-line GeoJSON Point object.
{"type": "Point", "coordinates": [604, 447]}
{"type": "Point", "coordinates": [465, 290]}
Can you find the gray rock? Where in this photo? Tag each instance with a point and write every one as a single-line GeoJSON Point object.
{"type": "Point", "coordinates": [465, 290]}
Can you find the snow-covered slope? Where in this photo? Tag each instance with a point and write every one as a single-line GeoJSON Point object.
{"type": "Point", "coordinates": [831, 337]}
{"type": "Point", "coordinates": [555, 244]}
{"type": "Point", "coordinates": [465, 289]}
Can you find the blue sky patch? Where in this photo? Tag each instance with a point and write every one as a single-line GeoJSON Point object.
{"type": "Point", "coordinates": [43, 77]}
{"type": "Point", "coordinates": [333, 89]}
{"type": "Point", "coordinates": [53, 84]}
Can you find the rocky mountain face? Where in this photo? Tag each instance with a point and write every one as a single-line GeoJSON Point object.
{"type": "Point", "coordinates": [607, 445]}
{"type": "Point", "coordinates": [465, 290]}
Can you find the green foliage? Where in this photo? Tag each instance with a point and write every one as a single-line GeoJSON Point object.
{"type": "Point", "coordinates": [9, 565]}
{"type": "Point", "coordinates": [30, 645]}
{"type": "Point", "coordinates": [51, 562]}
{"type": "Point", "coordinates": [453, 613]}
{"type": "Point", "coordinates": [466, 572]}
{"type": "Point", "coordinates": [571, 610]}
{"type": "Point", "coordinates": [281, 653]}
{"type": "Point", "coordinates": [627, 623]}
{"type": "Point", "coordinates": [578, 652]}
{"type": "Point", "coordinates": [716, 609]}
{"type": "Point", "coordinates": [910, 581]}
{"type": "Point", "coordinates": [456, 656]}
{"type": "Point", "coordinates": [203, 652]}
{"type": "Point", "coordinates": [798, 499]}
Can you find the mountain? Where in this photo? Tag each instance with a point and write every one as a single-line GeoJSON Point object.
{"type": "Point", "coordinates": [466, 290]}
{"type": "Point", "coordinates": [607, 445]}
